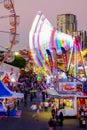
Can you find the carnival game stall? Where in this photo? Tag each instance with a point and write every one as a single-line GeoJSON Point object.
{"type": "Point", "coordinates": [82, 102]}
{"type": "Point", "coordinates": [82, 97]}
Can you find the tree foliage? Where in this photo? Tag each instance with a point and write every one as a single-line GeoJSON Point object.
{"type": "Point", "coordinates": [18, 62]}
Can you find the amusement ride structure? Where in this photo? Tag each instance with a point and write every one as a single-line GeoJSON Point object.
{"type": "Point", "coordinates": [10, 21]}
{"type": "Point", "coordinates": [46, 43]}
{"type": "Point", "coordinates": [76, 61]}
{"type": "Point", "coordinates": [10, 14]}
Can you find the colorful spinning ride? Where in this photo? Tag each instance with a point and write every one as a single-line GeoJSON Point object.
{"type": "Point", "coordinates": [46, 43]}
{"type": "Point", "coordinates": [76, 61]}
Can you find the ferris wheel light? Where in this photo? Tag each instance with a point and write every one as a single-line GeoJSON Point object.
{"type": "Point", "coordinates": [12, 30]}
{"type": "Point", "coordinates": [12, 20]}
{"type": "Point", "coordinates": [12, 80]}
{"type": "Point", "coordinates": [16, 53]}
{"type": "Point", "coordinates": [82, 52]}
{"type": "Point", "coordinates": [14, 37]}
{"type": "Point", "coordinates": [8, 4]}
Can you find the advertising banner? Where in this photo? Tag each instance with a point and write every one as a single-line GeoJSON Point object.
{"type": "Point", "coordinates": [67, 87]}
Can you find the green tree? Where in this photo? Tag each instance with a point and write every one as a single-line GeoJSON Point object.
{"type": "Point", "coordinates": [19, 61]}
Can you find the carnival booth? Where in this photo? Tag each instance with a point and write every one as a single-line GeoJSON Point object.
{"type": "Point", "coordinates": [73, 97]}
{"type": "Point", "coordinates": [82, 97]}
{"type": "Point", "coordinates": [7, 98]}
{"type": "Point", "coordinates": [53, 94]}
{"type": "Point", "coordinates": [68, 104]}
{"type": "Point", "coordinates": [82, 102]}
{"type": "Point", "coordinates": [9, 75]}
{"type": "Point", "coordinates": [67, 91]}
{"type": "Point", "coordinates": [10, 70]}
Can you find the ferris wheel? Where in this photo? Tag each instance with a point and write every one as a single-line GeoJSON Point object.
{"type": "Point", "coordinates": [8, 30]}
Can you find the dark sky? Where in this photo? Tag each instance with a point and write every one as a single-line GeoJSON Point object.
{"type": "Point", "coordinates": [27, 9]}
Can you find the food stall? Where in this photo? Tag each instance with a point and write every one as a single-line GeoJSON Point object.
{"type": "Point", "coordinates": [7, 97]}
{"type": "Point", "coordinates": [68, 104]}
{"type": "Point", "coordinates": [67, 91]}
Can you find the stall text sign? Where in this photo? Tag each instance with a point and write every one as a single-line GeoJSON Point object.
{"type": "Point", "coordinates": [67, 87]}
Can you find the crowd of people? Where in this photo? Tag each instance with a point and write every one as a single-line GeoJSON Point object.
{"type": "Point", "coordinates": [10, 106]}
{"type": "Point", "coordinates": [37, 90]}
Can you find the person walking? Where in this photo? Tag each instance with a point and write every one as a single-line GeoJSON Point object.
{"type": "Point", "coordinates": [31, 97]}
{"type": "Point", "coordinates": [25, 98]}
{"type": "Point", "coordinates": [46, 105]}
{"type": "Point", "coordinates": [81, 112]}
{"type": "Point", "coordinates": [57, 114]}
{"type": "Point", "coordinates": [8, 111]}
{"type": "Point", "coordinates": [52, 124]}
{"type": "Point", "coordinates": [53, 112]}
{"type": "Point", "coordinates": [61, 118]}
{"type": "Point", "coordinates": [43, 96]}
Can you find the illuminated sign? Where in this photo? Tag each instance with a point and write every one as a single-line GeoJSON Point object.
{"type": "Point", "coordinates": [67, 87]}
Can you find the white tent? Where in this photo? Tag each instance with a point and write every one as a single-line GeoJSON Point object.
{"type": "Point", "coordinates": [52, 92]}
{"type": "Point", "coordinates": [6, 69]}
{"type": "Point", "coordinates": [7, 93]}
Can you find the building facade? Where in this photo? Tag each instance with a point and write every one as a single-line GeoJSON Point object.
{"type": "Point", "coordinates": [67, 23]}
{"type": "Point", "coordinates": [83, 38]}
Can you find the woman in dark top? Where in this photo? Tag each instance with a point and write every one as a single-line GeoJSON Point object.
{"type": "Point", "coordinates": [61, 118]}
{"type": "Point", "coordinates": [53, 112]}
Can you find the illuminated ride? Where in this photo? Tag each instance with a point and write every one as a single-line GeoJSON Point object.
{"type": "Point", "coordinates": [46, 43]}
{"type": "Point", "coordinates": [76, 61]}
{"type": "Point", "coordinates": [9, 22]}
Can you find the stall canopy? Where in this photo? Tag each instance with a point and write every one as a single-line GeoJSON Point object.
{"type": "Point", "coordinates": [6, 93]}
{"type": "Point", "coordinates": [52, 92]}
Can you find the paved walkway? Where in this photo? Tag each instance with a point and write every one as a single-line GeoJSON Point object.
{"type": "Point", "coordinates": [33, 121]}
